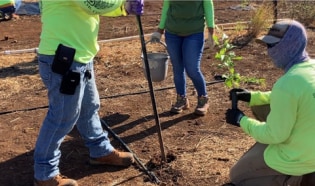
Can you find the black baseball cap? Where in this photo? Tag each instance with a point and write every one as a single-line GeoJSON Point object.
{"type": "Point", "coordinates": [275, 33]}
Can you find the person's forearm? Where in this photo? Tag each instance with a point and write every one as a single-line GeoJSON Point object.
{"type": "Point", "coordinates": [259, 98]}
{"type": "Point", "coordinates": [165, 7]}
{"type": "Point", "coordinates": [210, 30]}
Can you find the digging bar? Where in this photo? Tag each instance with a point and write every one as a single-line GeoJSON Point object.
{"type": "Point", "coordinates": [145, 57]}
{"type": "Point", "coordinates": [234, 100]}
{"type": "Point", "coordinates": [151, 175]}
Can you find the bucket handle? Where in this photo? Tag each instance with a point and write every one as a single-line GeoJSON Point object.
{"type": "Point", "coordinates": [160, 42]}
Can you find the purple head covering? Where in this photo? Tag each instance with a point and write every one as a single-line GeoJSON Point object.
{"type": "Point", "coordinates": [289, 38]}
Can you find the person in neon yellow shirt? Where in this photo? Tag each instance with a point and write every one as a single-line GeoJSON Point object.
{"type": "Point", "coordinates": [285, 124]}
{"type": "Point", "coordinates": [8, 8]}
{"type": "Point", "coordinates": [68, 44]}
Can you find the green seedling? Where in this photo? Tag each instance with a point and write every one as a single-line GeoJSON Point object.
{"type": "Point", "coordinates": [227, 58]}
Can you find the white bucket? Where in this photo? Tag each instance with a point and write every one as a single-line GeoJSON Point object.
{"type": "Point", "coordinates": [158, 65]}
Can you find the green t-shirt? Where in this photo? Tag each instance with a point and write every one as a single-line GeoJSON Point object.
{"type": "Point", "coordinates": [290, 126]}
{"type": "Point", "coordinates": [67, 23]}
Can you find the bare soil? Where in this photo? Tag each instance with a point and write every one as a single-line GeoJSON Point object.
{"type": "Point", "coordinates": [199, 150]}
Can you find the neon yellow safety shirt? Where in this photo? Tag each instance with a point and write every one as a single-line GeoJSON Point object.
{"type": "Point", "coordinates": [67, 23]}
{"type": "Point", "coordinates": [6, 3]}
{"type": "Point", "coordinates": [290, 126]}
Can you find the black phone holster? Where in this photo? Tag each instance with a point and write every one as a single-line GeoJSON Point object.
{"type": "Point", "coordinates": [62, 62]}
{"type": "Point", "coordinates": [69, 82]}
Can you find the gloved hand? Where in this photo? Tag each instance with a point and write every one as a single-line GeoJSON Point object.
{"type": "Point", "coordinates": [134, 6]}
{"type": "Point", "coordinates": [234, 116]}
{"type": "Point", "coordinates": [156, 37]}
{"type": "Point", "coordinates": [242, 94]}
{"type": "Point", "coordinates": [210, 41]}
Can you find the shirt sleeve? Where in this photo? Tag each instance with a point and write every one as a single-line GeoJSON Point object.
{"type": "Point", "coordinates": [280, 120]}
{"type": "Point", "coordinates": [209, 13]}
{"type": "Point", "coordinates": [166, 5]}
{"type": "Point", "coordinates": [259, 98]}
{"type": "Point", "coordinates": [5, 3]}
{"type": "Point", "coordinates": [121, 11]}
{"type": "Point", "coordinates": [102, 7]}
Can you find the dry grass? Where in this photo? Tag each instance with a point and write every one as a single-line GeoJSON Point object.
{"type": "Point", "coordinates": [261, 19]}
{"type": "Point", "coordinates": [18, 74]}
{"type": "Point", "coordinates": [302, 11]}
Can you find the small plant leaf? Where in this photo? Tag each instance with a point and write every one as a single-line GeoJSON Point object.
{"type": "Point", "coordinates": [227, 57]}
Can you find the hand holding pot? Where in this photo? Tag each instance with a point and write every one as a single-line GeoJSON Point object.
{"type": "Point", "coordinates": [241, 94]}
{"type": "Point", "coordinates": [234, 116]}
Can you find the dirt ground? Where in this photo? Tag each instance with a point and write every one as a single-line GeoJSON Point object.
{"type": "Point", "coordinates": [199, 150]}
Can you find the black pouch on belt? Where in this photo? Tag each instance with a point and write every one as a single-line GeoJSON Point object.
{"type": "Point", "coordinates": [69, 83]}
{"type": "Point", "coordinates": [63, 59]}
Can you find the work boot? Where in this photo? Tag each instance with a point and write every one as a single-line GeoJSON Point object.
{"type": "Point", "coordinates": [116, 158]}
{"type": "Point", "coordinates": [181, 104]}
{"type": "Point", "coordinates": [202, 106]}
{"type": "Point", "coordinates": [58, 180]}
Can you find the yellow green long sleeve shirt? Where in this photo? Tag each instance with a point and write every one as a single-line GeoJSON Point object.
{"type": "Point", "coordinates": [67, 23]}
{"type": "Point", "coordinates": [289, 129]}
{"type": "Point", "coordinates": [5, 3]}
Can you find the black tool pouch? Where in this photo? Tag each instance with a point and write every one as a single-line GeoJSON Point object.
{"type": "Point", "coordinates": [69, 83]}
{"type": "Point", "coordinates": [63, 59]}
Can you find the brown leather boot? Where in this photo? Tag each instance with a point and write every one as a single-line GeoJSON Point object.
{"type": "Point", "coordinates": [202, 106]}
{"type": "Point", "coordinates": [116, 158]}
{"type": "Point", "coordinates": [58, 180]}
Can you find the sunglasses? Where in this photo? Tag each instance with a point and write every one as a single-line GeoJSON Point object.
{"type": "Point", "coordinates": [271, 45]}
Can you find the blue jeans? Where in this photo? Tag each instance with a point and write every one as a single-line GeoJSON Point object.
{"type": "Point", "coordinates": [17, 4]}
{"type": "Point", "coordinates": [185, 54]}
{"type": "Point", "coordinates": [64, 112]}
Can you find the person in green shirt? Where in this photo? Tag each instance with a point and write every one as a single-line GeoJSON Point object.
{"type": "Point", "coordinates": [285, 124]}
{"type": "Point", "coordinates": [68, 44]}
{"type": "Point", "coordinates": [184, 24]}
